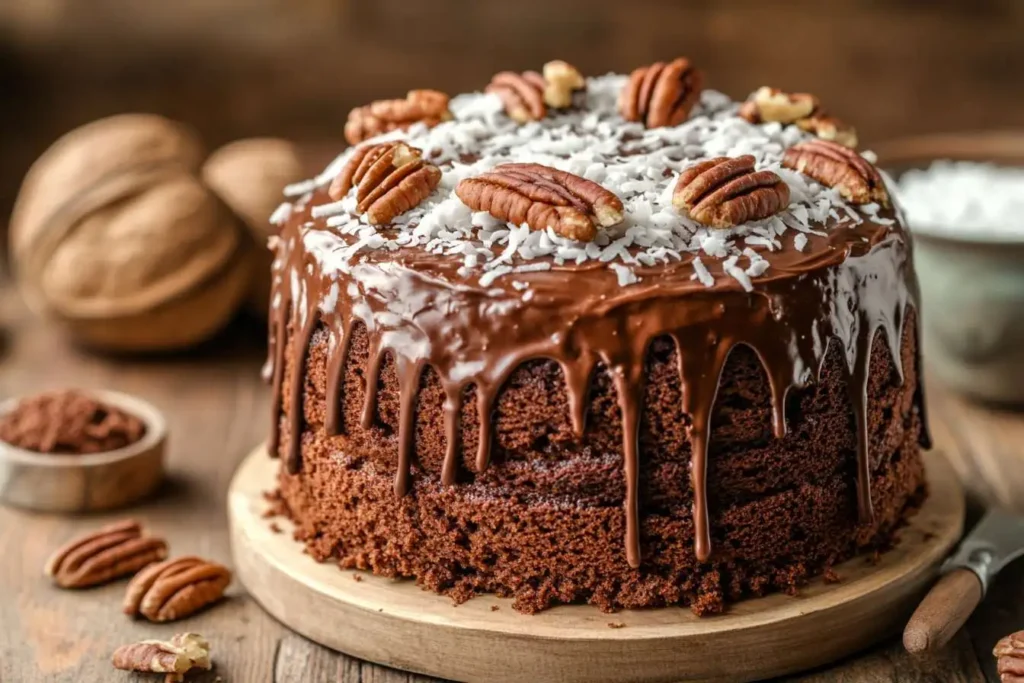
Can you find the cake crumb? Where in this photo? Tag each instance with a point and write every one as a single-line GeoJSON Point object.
{"type": "Point", "coordinates": [495, 608]}
{"type": "Point", "coordinates": [356, 577]}
{"type": "Point", "coordinates": [275, 527]}
{"type": "Point", "coordinates": [616, 624]}
{"type": "Point", "coordinates": [832, 576]}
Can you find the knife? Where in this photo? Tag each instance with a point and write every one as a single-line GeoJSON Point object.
{"type": "Point", "coordinates": [997, 540]}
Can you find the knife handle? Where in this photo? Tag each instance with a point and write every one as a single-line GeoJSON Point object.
{"type": "Point", "coordinates": [942, 612]}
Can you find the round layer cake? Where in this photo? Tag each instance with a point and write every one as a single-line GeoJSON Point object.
{"type": "Point", "coordinates": [639, 346]}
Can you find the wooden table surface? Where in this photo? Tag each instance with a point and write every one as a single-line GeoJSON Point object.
{"type": "Point", "coordinates": [217, 411]}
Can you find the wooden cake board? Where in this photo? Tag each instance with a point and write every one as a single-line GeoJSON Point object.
{"type": "Point", "coordinates": [395, 623]}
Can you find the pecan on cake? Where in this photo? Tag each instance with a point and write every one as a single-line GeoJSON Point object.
{"type": "Point", "coordinates": [636, 352]}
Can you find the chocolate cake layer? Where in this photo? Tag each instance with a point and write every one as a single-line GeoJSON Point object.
{"type": "Point", "coordinates": [544, 524]}
{"type": "Point", "coordinates": [637, 421]}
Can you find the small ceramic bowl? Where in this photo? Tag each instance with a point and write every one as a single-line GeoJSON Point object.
{"type": "Point", "coordinates": [972, 284]}
{"type": "Point", "coordinates": [86, 483]}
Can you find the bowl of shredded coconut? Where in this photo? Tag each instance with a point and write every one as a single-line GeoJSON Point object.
{"type": "Point", "coordinates": [962, 196]}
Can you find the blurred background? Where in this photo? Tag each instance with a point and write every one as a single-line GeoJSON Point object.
{"type": "Point", "coordinates": [293, 68]}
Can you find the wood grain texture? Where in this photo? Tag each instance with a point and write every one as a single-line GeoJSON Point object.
{"type": "Point", "coordinates": [486, 640]}
{"type": "Point", "coordinates": [217, 411]}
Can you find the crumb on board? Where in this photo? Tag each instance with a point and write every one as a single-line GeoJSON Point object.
{"type": "Point", "coordinates": [832, 576]}
{"type": "Point", "coordinates": [275, 527]}
{"type": "Point", "coordinates": [357, 577]}
{"type": "Point", "coordinates": [495, 608]}
{"type": "Point", "coordinates": [616, 624]}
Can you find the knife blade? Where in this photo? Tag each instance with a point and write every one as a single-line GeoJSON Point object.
{"type": "Point", "coordinates": [997, 540]}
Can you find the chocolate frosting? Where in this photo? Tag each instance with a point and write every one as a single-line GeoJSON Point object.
{"type": "Point", "coordinates": [847, 283]}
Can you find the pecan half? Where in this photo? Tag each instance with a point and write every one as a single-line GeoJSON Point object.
{"type": "Point", "coordinates": [390, 178]}
{"type": "Point", "coordinates": [527, 96]}
{"type": "Point", "coordinates": [176, 657]}
{"type": "Point", "coordinates": [1010, 658]}
{"type": "Point", "coordinates": [174, 589]}
{"type": "Point", "coordinates": [801, 109]}
{"type": "Point", "coordinates": [838, 166]}
{"type": "Point", "coordinates": [419, 106]}
{"type": "Point", "coordinates": [661, 94]}
{"type": "Point", "coordinates": [103, 555]}
{"type": "Point", "coordinates": [542, 197]}
{"type": "Point", "coordinates": [725, 192]}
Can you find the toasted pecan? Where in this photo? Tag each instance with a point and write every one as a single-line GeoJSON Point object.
{"type": "Point", "coordinates": [390, 178]}
{"type": "Point", "coordinates": [429, 107]}
{"type": "Point", "coordinates": [838, 166]}
{"type": "Point", "coordinates": [113, 551]}
{"type": "Point", "coordinates": [175, 588]}
{"type": "Point", "coordinates": [661, 94]}
{"type": "Point", "coordinates": [725, 192]}
{"type": "Point", "coordinates": [543, 197]}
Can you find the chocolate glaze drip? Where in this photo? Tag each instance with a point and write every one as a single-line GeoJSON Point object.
{"type": "Point", "coordinates": [841, 289]}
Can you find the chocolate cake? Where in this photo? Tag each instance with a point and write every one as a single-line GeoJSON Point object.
{"type": "Point", "coordinates": [619, 340]}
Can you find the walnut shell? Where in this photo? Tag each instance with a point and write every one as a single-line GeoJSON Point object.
{"type": "Point", "coordinates": [250, 176]}
{"type": "Point", "coordinates": [114, 237]}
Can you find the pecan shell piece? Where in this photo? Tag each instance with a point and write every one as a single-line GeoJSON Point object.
{"type": "Point", "coordinates": [661, 94]}
{"type": "Point", "coordinates": [771, 104]}
{"type": "Point", "coordinates": [419, 106]}
{"type": "Point", "coordinates": [390, 178]}
{"type": "Point", "coordinates": [176, 657]}
{"type": "Point", "coordinates": [1009, 653]}
{"type": "Point", "coordinates": [838, 166]}
{"type": "Point", "coordinates": [829, 128]}
{"type": "Point", "coordinates": [561, 82]}
{"type": "Point", "coordinates": [543, 197]}
{"type": "Point", "coordinates": [103, 555]}
{"type": "Point", "coordinates": [174, 589]}
{"type": "Point", "coordinates": [528, 95]}
{"type": "Point", "coordinates": [725, 192]}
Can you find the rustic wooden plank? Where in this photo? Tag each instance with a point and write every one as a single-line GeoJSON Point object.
{"type": "Point", "coordinates": [954, 664]}
{"type": "Point", "coordinates": [297, 660]}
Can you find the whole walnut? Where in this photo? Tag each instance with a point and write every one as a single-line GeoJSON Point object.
{"type": "Point", "coordinates": [250, 176]}
{"type": "Point", "coordinates": [114, 236]}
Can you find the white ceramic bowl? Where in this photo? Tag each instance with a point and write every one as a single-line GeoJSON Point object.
{"type": "Point", "coordinates": [91, 482]}
{"type": "Point", "coordinates": [972, 284]}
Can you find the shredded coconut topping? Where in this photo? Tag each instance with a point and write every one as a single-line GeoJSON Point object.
{"type": "Point", "coordinates": [639, 165]}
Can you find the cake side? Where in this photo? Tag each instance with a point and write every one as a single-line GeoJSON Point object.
{"type": "Point", "coordinates": [545, 525]}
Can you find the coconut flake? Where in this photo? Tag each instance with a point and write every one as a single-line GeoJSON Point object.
{"type": "Point", "coordinates": [639, 165]}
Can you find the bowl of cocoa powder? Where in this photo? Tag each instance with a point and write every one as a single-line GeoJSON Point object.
{"type": "Point", "coordinates": [78, 451]}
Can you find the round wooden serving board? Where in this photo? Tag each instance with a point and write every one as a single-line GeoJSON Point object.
{"type": "Point", "coordinates": [393, 622]}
